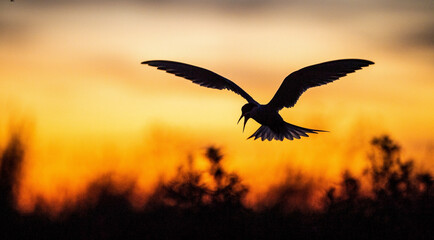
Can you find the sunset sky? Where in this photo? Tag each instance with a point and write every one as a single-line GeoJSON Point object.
{"type": "Point", "coordinates": [72, 82]}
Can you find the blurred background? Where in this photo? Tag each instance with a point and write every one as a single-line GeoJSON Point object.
{"type": "Point", "coordinates": [72, 85]}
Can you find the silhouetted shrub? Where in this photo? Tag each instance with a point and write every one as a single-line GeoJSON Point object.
{"type": "Point", "coordinates": [11, 160]}
{"type": "Point", "coordinates": [187, 189]}
{"type": "Point", "coordinates": [399, 206]}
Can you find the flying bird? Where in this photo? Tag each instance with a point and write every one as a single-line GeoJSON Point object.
{"type": "Point", "coordinates": [272, 124]}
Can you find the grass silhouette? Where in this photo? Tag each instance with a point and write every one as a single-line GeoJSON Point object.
{"type": "Point", "coordinates": [399, 205]}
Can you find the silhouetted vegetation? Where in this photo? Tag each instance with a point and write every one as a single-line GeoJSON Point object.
{"type": "Point", "coordinates": [398, 204]}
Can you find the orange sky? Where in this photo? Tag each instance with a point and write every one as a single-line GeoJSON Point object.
{"type": "Point", "coordinates": [72, 73]}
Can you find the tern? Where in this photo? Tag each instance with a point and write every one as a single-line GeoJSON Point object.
{"type": "Point", "coordinates": [272, 124]}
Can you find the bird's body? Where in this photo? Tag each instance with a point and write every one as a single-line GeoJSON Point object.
{"type": "Point", "coordinates": [265, 116]}
{"type": "Point", "coordinates": [272, 124]}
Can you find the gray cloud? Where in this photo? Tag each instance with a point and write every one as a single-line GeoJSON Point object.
{"type": "Point", "coordinates": [255, 4]}
{"type": "Point", "coordinates": [423, 37]}
{"type": "Point", "coordinates": [420, 34]}
{"type": "Point", "coordinates": [12, 31]}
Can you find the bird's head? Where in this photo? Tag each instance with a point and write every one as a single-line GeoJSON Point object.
{"type": "Point", "coordinates": [245, 112]}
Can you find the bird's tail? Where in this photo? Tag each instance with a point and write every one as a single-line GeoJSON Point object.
{"type": "Point", "coordinates": [284, 130]}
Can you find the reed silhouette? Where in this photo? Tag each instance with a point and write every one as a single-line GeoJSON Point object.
{"type": "Point", "coordinates": [399, 205]}
{"type": "Point", "coordinates": [11, 161]}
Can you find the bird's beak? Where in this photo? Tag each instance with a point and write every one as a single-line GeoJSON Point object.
{"type": "Point", "coordinates": [242, 115]}
{"type": "Point", "coordinates": [245, 121]}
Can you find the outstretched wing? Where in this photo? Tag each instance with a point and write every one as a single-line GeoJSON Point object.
{"type": "Point", "coordinates": [200, 76]}
{"type": "Point", "coordinates": [299, 81]}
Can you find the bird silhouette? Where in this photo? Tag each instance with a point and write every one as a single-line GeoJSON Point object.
{"type": "Point", "coordinates": [272, 124]}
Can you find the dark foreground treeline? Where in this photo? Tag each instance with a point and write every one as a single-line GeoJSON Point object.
{"type": "Point", "coordinates": [399, 205]}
